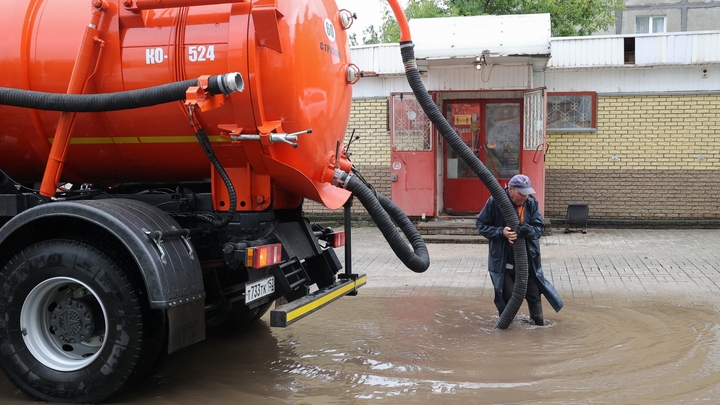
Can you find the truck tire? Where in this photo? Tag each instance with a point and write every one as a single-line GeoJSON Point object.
{"type": "Point", "coordinates": [74, 326]}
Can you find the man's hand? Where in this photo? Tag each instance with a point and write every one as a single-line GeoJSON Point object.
{"type": "Point", "coordinates": [525, 231]}
{"type": "Point", "coordinates": [510, 234]}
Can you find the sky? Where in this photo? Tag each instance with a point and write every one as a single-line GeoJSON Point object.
{"type": "Point", "coordinates": [369, 12]}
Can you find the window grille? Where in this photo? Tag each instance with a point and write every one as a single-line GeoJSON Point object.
{"type": "Point", "coordinates": [410, 127]}
{"type": "Point", "coordinates": [533, 134]}
{"type": "Point", "coordinates": [570, 111]}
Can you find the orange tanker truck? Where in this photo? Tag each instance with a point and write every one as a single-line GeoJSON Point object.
{"type": "Point", "coordinates": [154, 160]}
{"type": "Point", "coordinates": [155, 156]}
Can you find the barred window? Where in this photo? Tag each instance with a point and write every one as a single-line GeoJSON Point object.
{"type": "Point", "coordinates": [410, 127]}
{"type": "Point", "coordinates": [571, 111]}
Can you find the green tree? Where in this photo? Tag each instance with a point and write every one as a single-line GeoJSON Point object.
{"type": "Point", "coordinates": [389, 31]}
{"type": "Point", "coordinates": [370, 36]}
{"type": "Point", "coordinates": [567, 17]}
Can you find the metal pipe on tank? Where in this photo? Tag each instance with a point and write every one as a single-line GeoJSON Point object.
{"type": "Point", "coordinates": [80, 72]}
{"type": "Point", "coordinates": [155, 4]}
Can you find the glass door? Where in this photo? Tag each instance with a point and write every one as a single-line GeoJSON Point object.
{"type": "Point", "coordinates": [502, 134]}
{"type": "Point", "coordinates": [491, 129]}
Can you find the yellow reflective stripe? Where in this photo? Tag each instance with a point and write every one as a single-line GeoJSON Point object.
{"type": "Point", "coordinates": [311, 306]}
{"type": "Point", "coordinates": [168, 139]}
{"type": "Point", "coordinates": [88, 141]}
{"type": "Point", "coordinates": [122, 139]}
{"type": "Point", "coordinates": [142, 139]}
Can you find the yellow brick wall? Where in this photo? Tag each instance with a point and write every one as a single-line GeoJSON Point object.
{"type": "Point", "coordinates": [644, 132]}
{"type": "Point", "coordinates": [667, 166]}
{"type": "Point", "coordinates": [667, 150]}
{"type": "Point", "coordinates": [370, 153]}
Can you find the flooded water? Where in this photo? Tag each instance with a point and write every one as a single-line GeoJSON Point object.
{"type": "Point", "coordinates": [443, 350]}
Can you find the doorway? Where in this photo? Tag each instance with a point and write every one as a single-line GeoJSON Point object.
{"type": "Point", "coordinates": [492, 131]}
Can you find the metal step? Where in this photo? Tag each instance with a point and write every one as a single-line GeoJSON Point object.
{"type": "Point", "coordinates": [286, 314]}
{"type": "Point", "coordinates": [294, 273]}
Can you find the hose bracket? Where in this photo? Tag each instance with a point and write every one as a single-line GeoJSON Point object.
{"type": "Point", "coordinates": [203, 95]}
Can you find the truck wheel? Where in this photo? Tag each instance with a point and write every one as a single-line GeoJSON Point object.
{"type": "Point", "coordinates": [74, 327]}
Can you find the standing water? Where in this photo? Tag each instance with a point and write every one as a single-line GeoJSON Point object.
{"type": "Point", "coordinates": [443, 350]}
{"type": "Point", "coordinates": [639, 326]}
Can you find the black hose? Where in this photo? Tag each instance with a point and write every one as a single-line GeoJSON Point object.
{"type": "Point", "coordinates": [464, 152]}
{"type": "Point", "coordinates": [123, 100]}
{"type": "Point", "coordinates": [381, 209]}
{"type": "Point", "coordinates": [202, 137]}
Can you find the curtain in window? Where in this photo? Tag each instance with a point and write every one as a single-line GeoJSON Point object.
{"type": "Point", "coordinates": [658, 24]}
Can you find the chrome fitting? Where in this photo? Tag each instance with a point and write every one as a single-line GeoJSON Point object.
{"type": "Point", "coordinates": [230, 83]}
{"type": "Point", "coordinates": [340, 179]}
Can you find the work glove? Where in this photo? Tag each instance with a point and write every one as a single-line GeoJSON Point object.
{"type": "Point", "coordinates": [524, 231]}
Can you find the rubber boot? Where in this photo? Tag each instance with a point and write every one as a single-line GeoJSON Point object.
{"type": "Point", "coordinates": [536, 312]}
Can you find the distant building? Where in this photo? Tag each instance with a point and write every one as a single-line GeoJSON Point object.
{"type": "Point", "coordinates": [661, 16]}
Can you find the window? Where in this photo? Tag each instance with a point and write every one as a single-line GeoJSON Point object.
{"type": "Point", "coordinates": [649, 25]}
{"type": "Point", "coordinates": [410, 127]}
{"type": "Point", "coordinates": [571, 111]}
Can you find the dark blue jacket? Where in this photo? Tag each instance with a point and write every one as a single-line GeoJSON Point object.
{"type": "Point", "coordinates": [490, 223]}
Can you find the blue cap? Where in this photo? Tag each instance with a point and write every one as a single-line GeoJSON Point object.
{"type": "Point", "coordinates": [522, 183]}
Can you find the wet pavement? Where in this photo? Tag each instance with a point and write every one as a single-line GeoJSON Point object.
{"type": "Point", "coordinates": [616, 264]}
{"type": "Point", "coordinates": [640, 326]}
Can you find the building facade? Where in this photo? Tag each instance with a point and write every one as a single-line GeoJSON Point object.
{"type": "Point", "coordinates": [632, 126]}
{"type": "Point", "coordinates": [660, 16]}
{"type": "Point", "coordinates": [654, 149]}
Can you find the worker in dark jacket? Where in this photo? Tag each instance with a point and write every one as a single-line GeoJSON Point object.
{"type": "Point", "coordinates": [501, 260]}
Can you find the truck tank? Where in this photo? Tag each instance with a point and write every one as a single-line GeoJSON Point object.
{"type": "Point", "coordinates": [195, 129]}
{"type": "Point", "coordinates": [290, 53]}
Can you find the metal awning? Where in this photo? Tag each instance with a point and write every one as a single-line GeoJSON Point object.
{"type": "Point", "coordinates": [496, 39]}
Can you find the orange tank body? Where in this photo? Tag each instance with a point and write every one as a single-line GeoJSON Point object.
{"type": "Point", "coordinates": [292, 54]}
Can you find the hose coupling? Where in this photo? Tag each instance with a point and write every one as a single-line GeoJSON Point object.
{"type": "Point", "coordinates": [341, 179]}
{"type": "Point", "coordinates": [230, 83]}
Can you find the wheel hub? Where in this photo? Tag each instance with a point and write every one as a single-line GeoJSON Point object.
{"type": "Point", "coordinates": [63, 324]}
{"type": "Point", "coordinates": [72, 321]}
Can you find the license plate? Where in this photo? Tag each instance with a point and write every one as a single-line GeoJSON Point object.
{"type": "Point", "coordinates": [259, 289]}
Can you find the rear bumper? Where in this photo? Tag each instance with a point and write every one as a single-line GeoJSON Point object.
{"type": "Point", "coordinates": [287, 314]}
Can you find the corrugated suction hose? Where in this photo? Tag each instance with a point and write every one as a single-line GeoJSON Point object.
{"type": "Point", "coordinates": [464, 152]}
{"type": "Point", "coordinates": [383, 211]}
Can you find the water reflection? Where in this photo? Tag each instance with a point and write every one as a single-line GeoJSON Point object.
{"type": "Point", "coordinates": [435, 350]}
{"type": "Point", "coordinates": [443, 350]}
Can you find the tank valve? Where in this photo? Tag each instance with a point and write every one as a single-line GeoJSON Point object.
{"type": "Point", "coordinates": [284, 138]}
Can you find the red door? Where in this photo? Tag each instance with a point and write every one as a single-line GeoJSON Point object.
{"type": "Point", "coordinates": [492, 130]}
{"type": "Point", "coordinates": [413, 161]}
